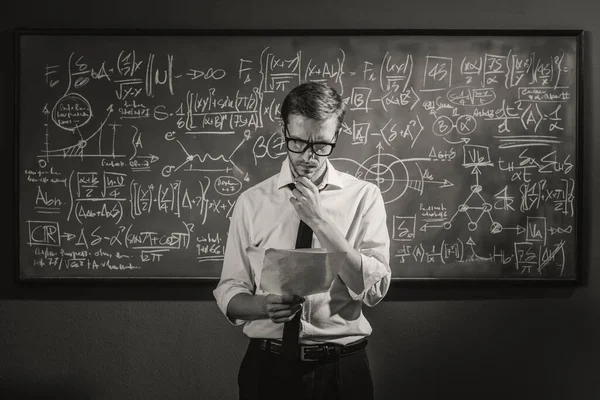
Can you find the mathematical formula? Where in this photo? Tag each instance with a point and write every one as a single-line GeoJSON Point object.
{"type": "Point", "coordinates": [134, 157]}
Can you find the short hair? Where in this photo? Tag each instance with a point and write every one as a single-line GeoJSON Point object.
{"type": "Point", "coordinates": [314, 100]}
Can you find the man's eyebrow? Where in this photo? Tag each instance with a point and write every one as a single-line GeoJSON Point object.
{"type": "Point", "coordinates": [308, 141]}
{"type": "Point", "coordinates": [289, 134]}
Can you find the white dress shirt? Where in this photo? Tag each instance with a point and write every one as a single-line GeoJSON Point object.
{"type": "Point", "coordinates": [264, 217]}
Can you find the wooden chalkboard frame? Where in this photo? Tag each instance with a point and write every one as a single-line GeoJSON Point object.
{"type": "Point", "coordinates": [578, 35]}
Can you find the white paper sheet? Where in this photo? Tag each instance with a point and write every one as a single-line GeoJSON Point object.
{"type": "Point", "coordinates": [296, 271]}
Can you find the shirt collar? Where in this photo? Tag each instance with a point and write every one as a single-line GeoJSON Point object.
{"type": "Point", "coordinates": [332, 177]}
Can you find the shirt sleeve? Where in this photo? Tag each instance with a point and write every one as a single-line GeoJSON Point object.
{"type": "Point", "coordinates": [371, 281]}
{"type": "Point", "coordinates": [236, 275]}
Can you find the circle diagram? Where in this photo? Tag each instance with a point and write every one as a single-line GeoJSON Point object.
{"type": "Point", "coordinates": [71, 111]}
{"type": "Point", "coordinates": [385, 170]}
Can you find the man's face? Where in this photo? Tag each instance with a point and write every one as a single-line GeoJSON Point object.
{"type": "Point", "coordinates": [309, 164]}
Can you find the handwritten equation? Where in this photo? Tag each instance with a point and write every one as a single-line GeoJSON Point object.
{"type": "Point", "coordinates": [134, 149]}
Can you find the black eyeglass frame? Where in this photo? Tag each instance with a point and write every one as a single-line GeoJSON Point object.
{"type": "Point", "coordinates": [308, 144]}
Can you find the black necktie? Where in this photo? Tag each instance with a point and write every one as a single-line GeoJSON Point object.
{"type": "Point", "coordinates": [291, 329]}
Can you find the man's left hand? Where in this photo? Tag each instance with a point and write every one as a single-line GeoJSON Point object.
{"type": "Point", "coordinates": [306, 201]}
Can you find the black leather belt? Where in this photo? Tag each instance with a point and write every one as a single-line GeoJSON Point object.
{"type": "Point", "coordinates": [315, 352]}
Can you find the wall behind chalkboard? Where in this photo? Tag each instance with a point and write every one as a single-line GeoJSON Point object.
{"type": "Point", "coordinates": [133, 147]}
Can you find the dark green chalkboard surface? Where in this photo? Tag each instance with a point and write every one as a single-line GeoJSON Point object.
{"type": "Point", "coordinates": [133, 146]}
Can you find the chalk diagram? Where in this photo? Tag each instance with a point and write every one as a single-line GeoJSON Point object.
{"type": "Point", "coordinates": [196, 162]}
{"type": "Point", "coordinates": [140, 162]}
{"type": "Point", "coordinates": [475, 206]}
{"type": "Point", "coordinates": [71, 113]}
{"type": "Point", "coordinates": [393, 176]}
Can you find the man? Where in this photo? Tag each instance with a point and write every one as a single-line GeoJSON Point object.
{"type": "Point", "coordinates": [345, 214]}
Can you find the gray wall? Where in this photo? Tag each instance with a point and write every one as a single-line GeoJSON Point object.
{"type": "Point", "coordinates": [169, 341]}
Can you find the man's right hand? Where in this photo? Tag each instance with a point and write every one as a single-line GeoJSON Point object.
{"type": "Point", "coordinates": [282, 308]}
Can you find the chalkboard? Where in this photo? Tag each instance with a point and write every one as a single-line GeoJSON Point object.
{"type": "Point", "coordinates": [134, 146]}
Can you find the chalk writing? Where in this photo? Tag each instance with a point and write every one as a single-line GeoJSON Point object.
{"type": "Point", "coordinates": [134, 149]}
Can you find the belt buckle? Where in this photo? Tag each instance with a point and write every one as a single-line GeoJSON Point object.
{"type": "Point", "coordinates": [303, 349]}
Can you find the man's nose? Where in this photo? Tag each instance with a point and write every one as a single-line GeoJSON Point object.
{"type": "Point", "coordinates": [309, 154]}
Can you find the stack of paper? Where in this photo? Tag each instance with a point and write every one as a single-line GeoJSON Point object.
{"type": "Point", "coordinates": [296, 271]}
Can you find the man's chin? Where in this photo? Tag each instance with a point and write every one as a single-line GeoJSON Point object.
{"type": "Point", "coordinates": [308, 173]}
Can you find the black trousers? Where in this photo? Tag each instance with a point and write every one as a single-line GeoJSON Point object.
{"type": "Point", "coordinates": [264, 375]}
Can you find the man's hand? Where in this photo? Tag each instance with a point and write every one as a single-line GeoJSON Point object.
{"type": "Point", "coordinates": [282, 308]}
{"type": "Point", "coordinates": [306, 201]}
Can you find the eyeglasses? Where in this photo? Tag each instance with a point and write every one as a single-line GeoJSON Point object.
{"type": "Point", "coordinates": [299, 146]}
